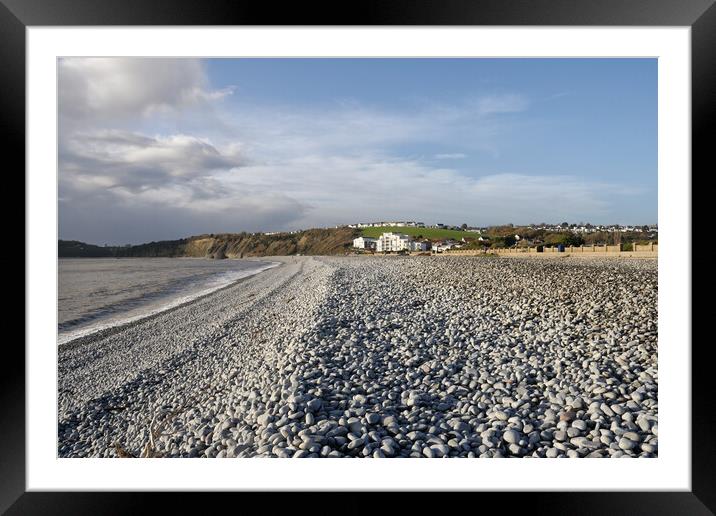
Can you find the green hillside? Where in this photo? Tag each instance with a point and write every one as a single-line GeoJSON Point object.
{"type": "Point", "coordinates": [429, 233]}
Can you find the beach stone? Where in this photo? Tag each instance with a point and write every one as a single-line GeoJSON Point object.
{"type": "Point", "coordinates": [460, 426]}
{"type": "Point", "coordinates": [314, 405]}
{"type": "Point", "coordinates": [264, 419]}
{"type": "Point", "coordinates": [355, 426]}
{"type": "Point", "coordinates": [560, 435]}
{"type": "Point", "coordinates": [356, 443]}
{"type": "Point", "coordinates": [606, 410]}
{"type": "Point", "coordinates": [567, 415]}
{"type": "Point", "coordinates": [626, 444]}
{"type": "Point", "coordinates": [440, 450]}
{"type": "Point", "coordinates": [579, 425]}
{"type": "Point", "coordinates": [648, 447]}
{"type": "Point", "coordinates": [389, 421]}
{"type": "Point", "coordinates": [501, 415]}
{"type": "Point", "coordinates": [644, 425]}
{"type": "Point", "coordinates": [372, 418]}
{"type": "Point", "coordinates": [511, 436]}
{"type": "Point", "coordinates": [573, 432]}
{"type": "Point", "coordinates": [515, 449]}
{"type": "Point", "coordinates": [632, 436]}
{"type": "Point", "coordinates": [583, 442]}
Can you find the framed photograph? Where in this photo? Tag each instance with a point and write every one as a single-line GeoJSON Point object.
{"type": "Point", "coordinates": [417, 232]}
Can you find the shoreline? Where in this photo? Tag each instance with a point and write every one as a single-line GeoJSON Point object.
{"type": "Point", "coordinates": [361, 357]}
{"type": "Point", "coordinates": [101, 328]}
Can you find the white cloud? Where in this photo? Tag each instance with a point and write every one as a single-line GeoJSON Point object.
{"type": "Point", "coordinates": [343, 189]}
{"type": "Point", "coordinates": [129, 87]}
{"type": "Point", "coordinates": [344, 129]}
{"type": "Point", "coordinates": [506, 103]}
{"type": "Point", "coordinates": [454, 155]}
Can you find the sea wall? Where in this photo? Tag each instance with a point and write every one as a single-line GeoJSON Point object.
{"type": "Point", "coordinates": [644, 251]}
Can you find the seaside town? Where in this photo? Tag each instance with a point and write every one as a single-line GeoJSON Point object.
{"type": "Point", "coordinates": [565, 226]}
{"type": "Point", "coordinates": [439, 237]}
{"type": "Point", "coordinates": [486, 237]}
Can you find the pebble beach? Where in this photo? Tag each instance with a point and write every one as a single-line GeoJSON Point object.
{"type": "Point", "coordinates": [378, 357]}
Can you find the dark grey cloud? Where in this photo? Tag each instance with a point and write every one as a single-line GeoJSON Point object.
{"type": "Point", "coordinates": [120, 187]}
{"type": "Point", "coordinates": [118, 159]}
{"type": "Point", "coordinates": [105, 218]}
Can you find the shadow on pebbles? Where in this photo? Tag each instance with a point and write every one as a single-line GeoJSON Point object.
{"type": "Point", "coordinates": [381, 357]}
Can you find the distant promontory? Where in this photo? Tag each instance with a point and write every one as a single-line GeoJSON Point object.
{"type": "Point", "coordinates": [228, 245]}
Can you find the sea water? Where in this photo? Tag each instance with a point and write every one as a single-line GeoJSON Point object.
{"type": "Point", "coordinates": [98, 293]}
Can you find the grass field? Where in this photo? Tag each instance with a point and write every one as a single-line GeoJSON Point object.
{"type": "Point", "coordinates": [429, 233]}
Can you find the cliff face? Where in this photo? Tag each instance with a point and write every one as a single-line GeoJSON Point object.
{"type": "Point", "coordinates": [311, 242]}
{"type": "Point", "coordinates": [231, 245]}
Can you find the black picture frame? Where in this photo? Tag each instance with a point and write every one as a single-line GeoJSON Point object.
{"type": "Point", "coordinates": [16, 15]}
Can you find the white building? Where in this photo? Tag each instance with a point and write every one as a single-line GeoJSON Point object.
{"type": "Point", "coordinates": [444, 245]}
{"type": "Point", "coordinates": [364, 243]}
{"type": "Point", "coordinates": [393, 242]}
{"type": "Point", "coordinates": [419, 246]}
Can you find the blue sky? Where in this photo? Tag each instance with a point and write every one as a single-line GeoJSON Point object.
{"type": "Point", "coordinates": [153, 149]}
